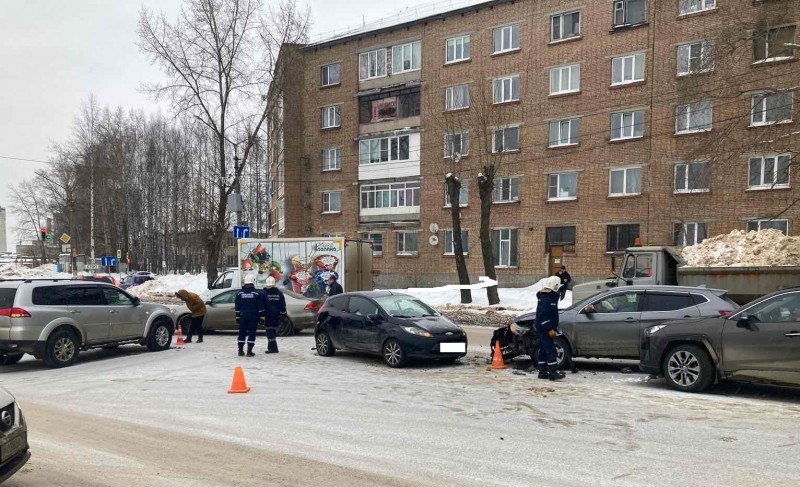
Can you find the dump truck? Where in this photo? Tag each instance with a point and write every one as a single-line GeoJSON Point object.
{"type": "Point", "coordinates": [664, 265]}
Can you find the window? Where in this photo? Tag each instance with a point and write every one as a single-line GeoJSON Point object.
{"type": "Point", "coordinates": [394, 195]}
{"type": "Point", "coordinates": [562, 186]}
{"type": "Point", "coordinates": [456, 97]}
{"type": "Point", "coordinates": [756, 225]}
{"type": "Point", "coordinates": [627, 125]}
{"type": "Point", "coordinates": [773, 44]}
{"type": "Point", "coordinates": [457, 49]}
{"type": "Point", "coordinates": [506, 89]}
{"type": "Point", "coordinates": [330, 74]}
{"type": "Point", "coordinates": [625, 182]}
{"type": "Point", "coordinates": [691, 177]}
{"type": "Point", "coordinates": [506, 190]}
{"type": "Point", "coordinates": [361, 306]}
{"type": "Point", "coordinates": [561, 236]}
{"type": "Point", "coordinates": [629, 12]}
{"type": "Point", "coordinates": [331, 201]}
{"type": "Point", "coordinates": [331, 117]}
{"type": "Point", "coordinates": [657, 302]}
{"type": "Point", "coordinates": [463, 195]}
{"type": "Point", "coordinates": [406, 57]}
{"type": "Point", "coordinates": [372, 64]}
{"type": "Point", "coordinates": [686, 234]}
{"type": "Point", "coordinates": [505, 139]}
{"type": "Point", "coordinates": [332, 159]}
{"type": "Point", "coordinates": [449, 248]}
{"type": "Point", "coordinates": [389, 105]}
{"type": "Point", "coordinates": [407, 243]}
{"type": "Point", "coordinates": [629, 302]}
{"type": "Point", "coordinates": [620, 237]}
{"type": "Point", "coordinates": [565, 26]}
{"type": "Point", "coordinates": [377, 242]}
{"type": "Point", "coordinates": [387, 149]}
{"type": "Point", "coordinates": [694, 117]}
{"type": "Point", "coordinates": [771, 108]}
{"type": "Point", "coordinates": [564, 132]}
{"type": "Point", "coordinates": [691, 6]}
{"type": "Point", "coordinates": [638, 266]}
{"type": "Point", "coordinates": [504, 247]}
{"type": "Point", "coordinates": [281, 214]}
{"type": "Point", "coordinates": [627, 69]}
{"type": "Point", "coordinates": [695, 58]}
{"type": "Point", "coordinates": [505, 39]}
{"type": "Point", "coordinates": [85, 296]}
{"type": "Point", "coordinates": [43, 296]}
{"type": "Point", "coordinates": [777, 309]}
{"type": "Point", "coordinates": [769, 171]}
{"type": "Point", "coordinates": [115, 297]}
{"type": "Point", "coordinates": [457, 143]}
{"type": "Point", "coordinates": [565, 79]}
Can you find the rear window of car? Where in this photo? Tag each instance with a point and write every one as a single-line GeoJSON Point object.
{"type": "Point", "coordinates": [7, 297]}
{"type": "Point", "coordinates": [338, 303]}
{"type": "Point", "coordinates": [699, 298]}
{"type": "Point", "coordinates": [49, 296]}
{"type": "Point", "coordinates": [667, 301]}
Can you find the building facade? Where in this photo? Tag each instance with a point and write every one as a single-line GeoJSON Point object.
{"type": "Point", "coordinates": [600, 121]}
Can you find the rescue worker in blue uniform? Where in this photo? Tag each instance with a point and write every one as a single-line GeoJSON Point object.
{"type": "Point", "coordinates": [547, 326]}
{"type": "Point", "coordinates": [249, 306]}
{"type": "Point", "coordinates": [274, 311]}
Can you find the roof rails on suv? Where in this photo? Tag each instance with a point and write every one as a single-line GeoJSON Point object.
{"type": "Point", "coordinates": [36, 279]}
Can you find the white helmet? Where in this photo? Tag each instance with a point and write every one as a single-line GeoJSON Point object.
{"type": "Point", "coordinates": [248, 279]}
{"type": "Point", "coordinates": [552, 283]}
{"type": "Point", "coordinates": [270, 282]}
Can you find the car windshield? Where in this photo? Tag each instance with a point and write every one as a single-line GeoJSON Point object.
{"type": "Point", "coordinates": [405, 307]}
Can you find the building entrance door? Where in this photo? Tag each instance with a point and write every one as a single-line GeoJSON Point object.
{"type": "Point", "coordinates": [556, 259]}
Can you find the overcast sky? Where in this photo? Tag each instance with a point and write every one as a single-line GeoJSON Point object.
{"type": "Point", "coordinates": [54, 53]}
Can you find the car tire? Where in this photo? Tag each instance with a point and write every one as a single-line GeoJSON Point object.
{"type": "Point", "coordinates": [285, 327]}
{"type": "Point", "coordinates": [61, 349]}
{"type": "Point", "coordinates": [160, 336]}
{"type": "Point", "coordinates": [688, 368]}
{"type": "Point", "coordinates": [392, 353]}
{"type": "Point", "coordinates": [563, 353]}
{"type": "Point", "coordinates": [11, 358]}
{"type": "Point", "coordinates": [324, 344]}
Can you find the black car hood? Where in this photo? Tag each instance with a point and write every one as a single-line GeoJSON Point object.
{"type": "Point", "coordinates": [433, 324]}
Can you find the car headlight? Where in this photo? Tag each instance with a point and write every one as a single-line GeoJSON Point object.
{"type": "Point", "coordinates": [416, 331]}
{"type": "Point", "coordinates": [653, 330]}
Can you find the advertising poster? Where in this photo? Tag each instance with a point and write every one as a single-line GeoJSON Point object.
{"type": "Point", "coordinates": [385, 109]}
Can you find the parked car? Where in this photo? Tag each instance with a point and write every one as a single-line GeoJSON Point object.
{"type": "Point", "coordinates": [221, 315]}
{"type": "Point", "coordinates": [55, 319]}
{"type": "Point", "coordinates": [610, 324]}
{"type": "Point", "coordinates": [396, 326]}
{"type": "Point", "coordinates": [759, 342]}
{"type": "Point", "coordinates": [135, 280]}
{"type": "Point", "coordinates": [108, 278]}
{"type": "Point", "coordinates": [14, 449]}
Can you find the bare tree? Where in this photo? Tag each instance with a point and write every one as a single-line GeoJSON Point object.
{"type": "Point", "coordinates": [30, 208]}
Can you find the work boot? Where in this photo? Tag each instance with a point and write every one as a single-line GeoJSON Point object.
{"type": "Point", "coordinates": [241, 350]}
{"type": "Point", "coordinates": [250, 350]}
{"type": "Point", "coordinates": [543, 372]}
{"type": "Point", "coordinates": [554, 374]}
{"type": "Point", "coordinates": [187, 340]}
{"type": "Point", "coordinates": [200, 340]}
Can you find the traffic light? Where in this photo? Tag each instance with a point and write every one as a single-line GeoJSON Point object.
{"type": "Point", "coordinates": [44, 233]}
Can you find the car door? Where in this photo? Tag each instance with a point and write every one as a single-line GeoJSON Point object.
{"type": "Point", "coordinates": [336, 314]}
{"type": "Point", "coordinates": [87, 306]}
{"type": "Point", "coordinates": [362, 334]}
{"type": "Point", "coordinates": [667, 305]}
{"type": "Point", "coordinates": [125, 319]}
{"type": "Point", "coordinates": [610, 325]}
{"type": "Point", "coordinates": [221, 312]}
{"type": "Point", "coordinates": [767, 344]}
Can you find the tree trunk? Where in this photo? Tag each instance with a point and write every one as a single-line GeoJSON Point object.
{"type": "Point", "coordinates": [453, 189]}
{"type": "Point", "coordinates": [485, 187]}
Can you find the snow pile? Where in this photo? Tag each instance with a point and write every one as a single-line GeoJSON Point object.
{"type": "Point", "coordinates": [171, 283]}
{"type": "Point", "coordinates": [743, 249]}
{"type": "Point", "coordinates": [14, 271]}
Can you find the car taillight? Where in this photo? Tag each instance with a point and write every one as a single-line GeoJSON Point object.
{"type": "Point", "coordinates": [724, 312]}
{"type": "Point", "coordinates": [312, 306]}
{"type": "Point", "coordinates": [14, 313]}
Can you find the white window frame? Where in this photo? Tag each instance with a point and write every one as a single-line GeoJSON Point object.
{"type": "Point", "coordinates": [573, 129]}
{"type": "Point", "coordinates": [683, 242]}
{"type": "Point", "coordinates": [706, 57]}
{"type": "Point", "coordinates": [401, 242]}
{"type": "Point", "coordinates": [684, 167]}
{"type": "Point", "coordinates": [394, 191]}
{"type": "Point", "coordinates": [573, 73]}
{"type": "Point", "coordinates": [505, 263]}
{"type": "Point", "coordinates": [557, 186]}
{"type": "Point", "coordinates": [636, 59]}
{"type": "Point", "coordinates": [504, 130]}
{"type": "Point", "coordinates": [463, 138]}
{"type": "Point", "coordinates": [561, 16]}
{"type": "Point", "coordinates": [400, 51]}
{"type": "Point", "coordinates": [331, 117]}
{"type": "Point", "coordinates": [390, 157]}
{"type": "Point", "coordinates": [281, 215]}
{"type": "Point", "coordinates": [760, 221]}
{"type": "Point", "coordinates": [683, 122]}
{"type": "Point", "coordinates": [371, 236]}
{"type": "Point", "coordinates": [332, 159]}
{"type": "Point", "coordinates": [380, 67]}
{"type": "Point", "coordinates": [685, 7]}
{"type": "Point", "coordinates": [775, 170]}
{"type": "Point", "coordinates": [624, 181]}
{"type": "Point", "coordinates": [627, 132]}
{"type": "Point", "coordinates": [507, 184]}
{"type": "Point", "coordinates": [463, 191]}
{"type": "Point", "coordinates": [503, 89]}
{"type": "Point", "coordinates": [328, 201]}
{"type": "Point", "coordinates": [462, 42]}
{"type": "Point", "coordinates": [323, 71]}
{"type": "Point", "coordinates": [452, 250]}
{"type": "Point", "coordinates": [503, 48]}
{"type": "Point", "coordinates": [764, 98]}
{"type": "Point", "coordinates": [456, 97]}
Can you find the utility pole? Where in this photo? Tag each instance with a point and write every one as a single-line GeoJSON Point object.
{"type": "Point", "coordinates": [91, 204]}
{"type": "Point", "coordinates": [238, 183]}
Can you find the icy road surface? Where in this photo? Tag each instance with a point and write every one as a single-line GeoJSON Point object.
{"type": "Point", "coordinates": [131, 417]}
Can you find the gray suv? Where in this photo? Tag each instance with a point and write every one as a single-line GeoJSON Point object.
{"type": "Point", "coordinates": [54, 319]}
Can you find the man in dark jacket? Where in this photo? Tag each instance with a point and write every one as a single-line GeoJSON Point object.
{"type": "Point", "coordinates": [274, 311]}
{"type": "Point", "coordinates": [547, 326]}
{"type": "Point", "coordinates": [249, 306]}
{"type": "Point", "coordinates": [565, 280]}
{"type": "Point", "coordinates": [334, 287]}
{"type": "Point", "coordinates": [197, 307]}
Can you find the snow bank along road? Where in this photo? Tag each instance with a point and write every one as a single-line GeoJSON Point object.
{"type": "Point", "coordinates": [130, 417]}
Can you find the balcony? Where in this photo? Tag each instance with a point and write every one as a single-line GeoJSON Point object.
{"type": "Point", "coordinates": [390, 108]}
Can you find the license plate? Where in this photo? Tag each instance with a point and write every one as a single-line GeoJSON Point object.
{"type": "Point", "coordinates": [12, 448]}
{"type": "Point", "coordinates": [452, 347]}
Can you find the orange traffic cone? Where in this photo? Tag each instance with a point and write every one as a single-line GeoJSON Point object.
{"type": "Point", "coordinates": [497, 358]}
{"type": "Point", "coordinates": [180, 336]}
{"type": "Point", "coordinates": [238, 385]}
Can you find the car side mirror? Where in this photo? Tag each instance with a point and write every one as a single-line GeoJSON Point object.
{"type": "Point", "coordinates": [374, 318]}
{"type": "Point", "coordinates": [744, 322]}
{"type": "Point", "coordinates": [589, 309]}
{"type": "Point", "coordinates": [209, 303]}
{"type": "Point", "coordinates": [136, 301]}
{"type": "Point", "coordinates": [210, 286]}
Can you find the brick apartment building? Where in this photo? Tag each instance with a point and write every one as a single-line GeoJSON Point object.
{"type": "Point", "coordinates": [605, 120]}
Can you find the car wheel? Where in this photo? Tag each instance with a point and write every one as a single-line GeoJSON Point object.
{"type": "Point", "coordinates": [393, 354]}
{"type": "Point", "coordinates": [11, 359]}
{"type": "Point", "coordinates": [324, 344]}
{"type": "Point", "coordinates": [61, 349]}
{"type": "Point", "coordinates": [160, 336]}
{"type": "Point", "coordinates": [688, 368]}
{"type": "Point", "coordinates": [285, 327]}
{"type": "Point", "coordinates": [563, 354]}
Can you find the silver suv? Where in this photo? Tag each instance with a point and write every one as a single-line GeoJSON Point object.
{"type": "Point", "coordinates": [54, 319]}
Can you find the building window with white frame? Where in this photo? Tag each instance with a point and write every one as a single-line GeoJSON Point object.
{"type": "Point", "coordinates": [697, 57]}
{"type": "Point", "coordinates": [457, 49]}
{"type": "Point", "coordinates": [506, 190]}
{"type": "Point", "coordinates": [406, 57]}
{"type": "Point", "coordinates": [463, 195]}
{"type": "Point", "coordinates": [625, 181]}
{"type": "Point", "coordinates": [331, 117]}
{"type": "Point", "coordinates": [505, 89]}
{"type": "Point", "coordinates": [456, 97]}
{"type": "Point", "coordinates": [686, 7]}
{"type": "Point", "coordinates": [565, 132]}
{"type": "Point", "coordinates": [391, 195]}
{"type": "Point", "coordinates": [769, 108]}
{"type": "Point", "coordinates": [769, 171]}
{"type": "Point", "coordinates": [562, 186]}
{"type": "Point", "coordinates": [757, 225]}
{"type": "Point", "coordinates": [627, 69]}
{"type": "Point", "coordinates": [332, 159]}
{"type": "Point", "coordinates": [629, 12]}
{"type": "Point", "coordinates": [407, 243]}
{"type": "Point", "coordinates": [565, 79]}
{"type": "Point", "coordinates": [686, 234]}
{"type": "Point", "coordinates": [331, 202]}
{"type": "Point", "coordinates": [372, 64]}
{"type": "Point", "coordinates": [384, 149]}
{"type": "Point", "coordinates": [449, 248]}
{"type": "Point", "coordinates": [505, 39]}
{"type": "Point", "coordinates": [456, 143]}
{"type": "Point", "coordinates": [330, 74]}
{"type": "Point", "coordinates": [565, 26]}
{"type": "Point", "coordinates": [691, 177]}
{"type": "Point", "coordinates": [693, 117]}
{"type": "Point", "coordinates": [627, 125]}
{"type": "Point", "coordinates": [505, 139]}
{"type": "Point", "coordinates": [773, 44]}
{"type": "Point", "coordinates": [505, 247]}
{"type": "Point", "coordinates": [377, 242]}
